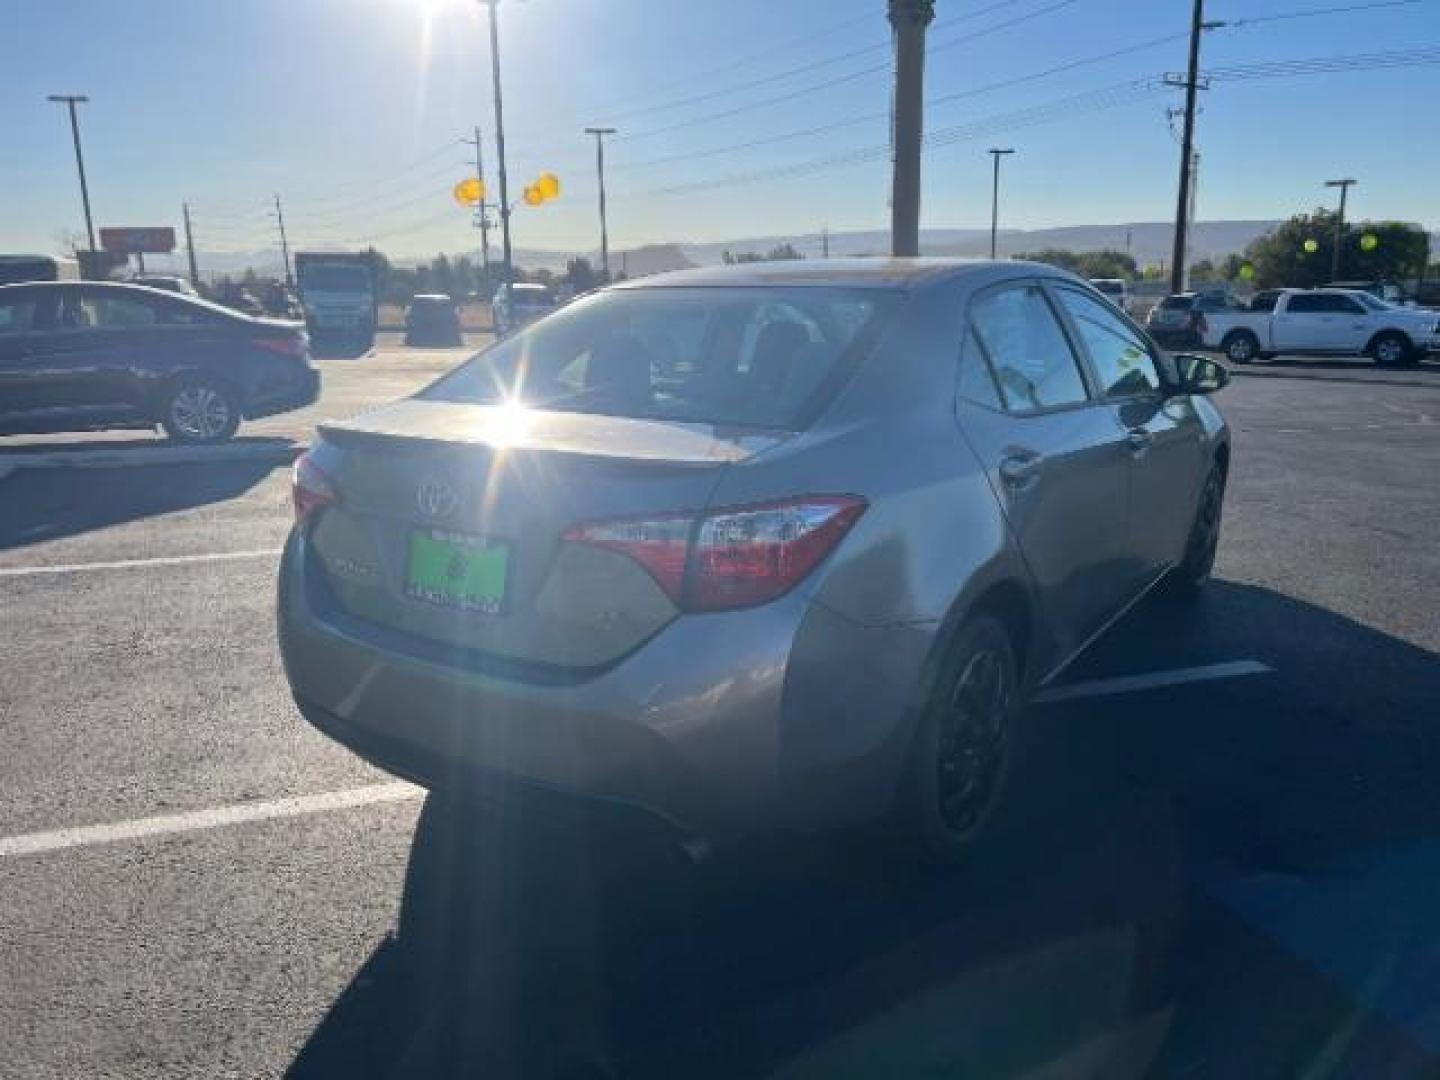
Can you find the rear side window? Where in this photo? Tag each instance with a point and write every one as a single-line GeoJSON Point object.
{"type": "Point", "coordinates": [1120, 358]}
{"type": "Point", "coordinates": [1028, 352]}
{"type": "Point", "coordinates": [748, 357]}
{"type": "Point", "coordinates": [1307, 304]}
{"type": "Point", "coordinates": [98, 312]}
{"type": "Point", "coordinates": [18, 316]}
{"type": "Point", "coordinates": [977, 381]}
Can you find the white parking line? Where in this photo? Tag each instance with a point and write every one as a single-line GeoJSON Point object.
{"type": "Point", "coordinates": [132, 564]}
{"type": "Point", "coordinates": [38, 843]}
{"type": "Point", "coordinates": [1127, 684]}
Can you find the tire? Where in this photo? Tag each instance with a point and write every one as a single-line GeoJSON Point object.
{"type": "Point", "coordinates": [1393, 350]}
{"type": "Point", "coordinates": [952, 805]}
{"type": "Point", "coordinates": [1193, 572]}
{"type": "Point", "coordinates": [1240, 347]}
{"type": "Point", "coordinates": [199, 411]}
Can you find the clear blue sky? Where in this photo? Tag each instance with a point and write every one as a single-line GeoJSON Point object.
{"type": "Point", "coordinates": [348, 109]}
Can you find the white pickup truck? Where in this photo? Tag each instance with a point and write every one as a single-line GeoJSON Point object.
{"type": "Point", "coordinates": [1323, 322]}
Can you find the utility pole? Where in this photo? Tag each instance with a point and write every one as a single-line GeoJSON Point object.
{"type": "Point", "coordinates": [190, 246]}
{"type": "Point", "coordinates": [995, 199]}
{"type": "Point", "coordinates": [493, 5]}
{"type": "Point", "coordinates": [600, 133]}
{"type": "Point", "coordinates": [284, 243]}
{"type": "Point", "coordinates": [908, 18]}
{"type": "Point", "coordinates": [70, 101]}
{"type": "Point", "coordinates": [1344, 186]}
{"type": "Point", "coordinates": [825, 241]}
{"type": "Point", "coordinates": [484, 210]}
{"type": "Point", "coordinates": [1191, 83]}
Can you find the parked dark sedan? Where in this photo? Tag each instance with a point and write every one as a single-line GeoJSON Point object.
{"type": "Point", "coordinates": [432, 319]}
{"type": "Point", "coordinates": [85, 356]}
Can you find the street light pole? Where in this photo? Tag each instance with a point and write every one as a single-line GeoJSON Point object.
{"type": "Point", "coordinates": [600, 134]}
{"type": "Point", "coordinates": [1344, 186]}
{"type": "Point", "coordinates": [493, 5]}
{"type": "Point", "coordinates": [995, 198]}
{"type": "Point", "coordinates": [909, 18]}
{"type": "Point", "coordinates": [70, 101]}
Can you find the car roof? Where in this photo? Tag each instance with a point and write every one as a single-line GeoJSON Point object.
{"type": "Point", "coordinates": [431, 298]}
{"type": "Point", "coordinates": [871, 273]}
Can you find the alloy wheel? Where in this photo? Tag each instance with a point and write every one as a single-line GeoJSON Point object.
{"type": "Point", "coordinates": [973, 737]}
{"type": "Point", "coordinates": [200, 413]}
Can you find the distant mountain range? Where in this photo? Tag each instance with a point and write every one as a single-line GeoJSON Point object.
{"type": "Point", "coordinates": [1148, 241]}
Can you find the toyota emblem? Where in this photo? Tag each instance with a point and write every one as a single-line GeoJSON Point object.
{"type": "Point", "coordinates": [436, 499]}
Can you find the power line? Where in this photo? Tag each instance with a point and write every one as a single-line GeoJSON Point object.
{"type": "Point", "coordinates": [1091, 101]}
{"type": "Point", "coordinates": [930, 103]}
{"type": "Point", "coordinates": [839, 80]}
{"type": "Point", "coordinates": [790, 73]}
{"type": "Point", "coordinates": [1314, 12]}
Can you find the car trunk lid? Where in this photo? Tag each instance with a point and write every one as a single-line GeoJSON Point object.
{"type": "Point", "coordinates": [451, 520]}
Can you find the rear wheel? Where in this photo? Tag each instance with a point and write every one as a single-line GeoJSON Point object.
{"type": "Point", "coordinates": [957, 788]}
{"type": "Point", "coordinates": [1393, 350]}
{"type": "Point", "coordinates": [200, 411]}
{"type": "Point", "coordinates": [1194, 570]}
{"type": "Point", "coordinates": [1241, 347]}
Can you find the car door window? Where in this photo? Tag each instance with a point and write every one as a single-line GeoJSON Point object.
{"type": "Point", "coordinates": [1306, 304]}
{"type": "Point", "coordinates": [19, 316]}
{"type": "Point", "coordinates": [1120, 357]}
{"type": "Point", "coordinates": [977, 380]}
{"type": "Point", "coordinates": [1347, 305]}
{"type": "Point", "coordinates": [1028, 351]}
{"type": "Point", "coordinates": [95, 312]}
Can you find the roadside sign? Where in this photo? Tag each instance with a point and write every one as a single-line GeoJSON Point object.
{"type": "Point", "coordinates": [159, 240]}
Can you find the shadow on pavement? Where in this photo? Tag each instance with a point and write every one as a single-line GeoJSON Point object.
{"type": "Point", "coordinates": [45, 504]}
{"type": "Point", "coordinates": [340, 350]}
{"type": "Point", "coordinates": [1227, 878]}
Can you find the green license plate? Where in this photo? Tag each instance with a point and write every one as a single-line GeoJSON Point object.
{"type": "Point", "coordinates": [463, 572]}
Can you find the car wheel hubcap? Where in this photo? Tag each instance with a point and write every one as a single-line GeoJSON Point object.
{"type": "Point", "coordinates": [1240, 349]}
{"type": "Point", "coordinates": [1389, 351]}
{"type": "Point", "coordinates": [1207, 526]}
{"type": "Point", "coordinates": [198, 412]}
{"type": "Point", "coordinates": [973, 734]}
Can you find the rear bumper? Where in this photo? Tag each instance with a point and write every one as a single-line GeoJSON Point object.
{"type": "Point", "coordinates": [779, 717]}
{"type": "Point", "coordinates": [304, 391]}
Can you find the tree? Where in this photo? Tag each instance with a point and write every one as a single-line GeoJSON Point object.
{"type": "Point", "coordinates": [1088, 264]}
{"type": "Point", "coordinates": [580, 275]}
{"type": "Point", "coordinates": [1204, 272]}
{"type": "Point", "coordinates": [779, 253]}
{"type": "Point", "coordinates": [1299, 252]}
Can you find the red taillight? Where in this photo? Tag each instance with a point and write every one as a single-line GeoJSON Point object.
{"type": "Point", "coordinates": [294, 346]}
{"type": "Point", "coordinates": [733, 558]}
{"type": "Point", "coordinates": [310, 489]}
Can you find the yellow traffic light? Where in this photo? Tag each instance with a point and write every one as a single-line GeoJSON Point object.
{"type": "Point", "coordinates": [469, 192]}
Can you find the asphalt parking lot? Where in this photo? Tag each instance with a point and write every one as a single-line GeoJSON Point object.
{"type": "Point", "coordinates": [1230, 866]}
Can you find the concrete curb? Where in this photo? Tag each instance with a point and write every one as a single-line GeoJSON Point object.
{"type": "Point", "coordinates": [1358, 378]}
{"type": "Point", "coordinates": [142, 456]}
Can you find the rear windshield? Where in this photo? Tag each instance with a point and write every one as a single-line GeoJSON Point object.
{"type": "Point", "coordinates": [534, 294]}
{"type": "Point", "coordinates": [746, 357]}
{"type": "Point", "coordinates": [335, 278]}
{"type": "Point", "coordinates": [1176, 303]}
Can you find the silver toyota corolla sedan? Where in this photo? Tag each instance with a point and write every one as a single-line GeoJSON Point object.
{"type": "Point", "coordinates": [751, 548]}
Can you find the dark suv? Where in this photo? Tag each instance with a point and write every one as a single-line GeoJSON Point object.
{"type": "Point", "coordinates": [86, 356]}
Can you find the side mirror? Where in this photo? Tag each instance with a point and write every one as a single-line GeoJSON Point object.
{"type": "Point", "coordinates": [1200, 374]}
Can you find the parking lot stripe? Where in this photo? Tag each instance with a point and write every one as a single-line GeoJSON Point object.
{"type": "Point", "coordinates": [1127, 684]}
{"type": "Point", "coordinates": [38, 843]}
{"type": "Point", "coordinates": [132, 564]}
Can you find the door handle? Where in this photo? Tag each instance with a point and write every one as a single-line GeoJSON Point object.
{"type": "Point", "coordinates": [1020, 469]}
{"type": "Point", "coordinates": [1139, 439]}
